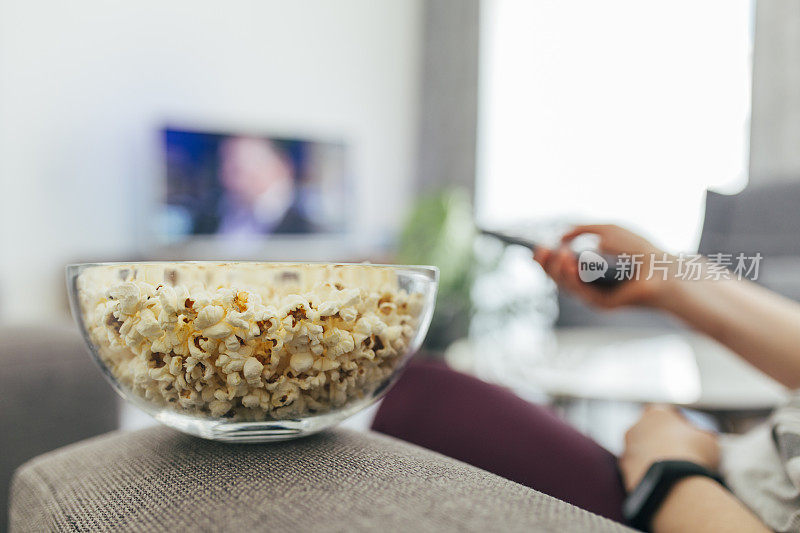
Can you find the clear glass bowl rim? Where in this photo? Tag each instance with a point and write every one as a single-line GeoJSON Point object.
{"type": "Point", "coordinates": [431, 272]}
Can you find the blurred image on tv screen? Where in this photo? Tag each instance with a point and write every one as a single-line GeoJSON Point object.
{"type": "Point", "coordinates": [250, 186]}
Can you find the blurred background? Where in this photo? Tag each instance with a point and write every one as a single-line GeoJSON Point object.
{"type": "Point", "coordinates": [311, 130]}
{"type": "Point", "coordinates": [359, 130]}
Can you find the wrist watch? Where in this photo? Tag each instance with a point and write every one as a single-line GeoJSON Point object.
{"type": "Point", "coordinates": [645, 499]}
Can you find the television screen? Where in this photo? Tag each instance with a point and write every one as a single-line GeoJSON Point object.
{"type": "Point", "coordinates": [249, 185]}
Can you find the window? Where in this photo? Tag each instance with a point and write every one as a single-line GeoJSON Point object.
{"type": "Point", "coordinates": [623, 111]}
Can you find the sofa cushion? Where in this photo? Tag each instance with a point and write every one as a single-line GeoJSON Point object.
{"type": "Point", "coordinates": [157, 479]}
{"type": "Point", "coordinates": [51, 394]}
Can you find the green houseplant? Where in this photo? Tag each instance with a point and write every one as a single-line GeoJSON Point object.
{"type": "Point", "coordinates": [440, 231]}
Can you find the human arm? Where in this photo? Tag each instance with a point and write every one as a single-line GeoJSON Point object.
{"type": "Point", "coordinates": [700, 505]}
{"type": "Point", "coordinates": [695, 504]}
{"type": "Point", "coordinates": [761, 326]}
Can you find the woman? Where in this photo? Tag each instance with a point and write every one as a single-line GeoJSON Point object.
{"type": "Point", "coordinates": [762, 327]}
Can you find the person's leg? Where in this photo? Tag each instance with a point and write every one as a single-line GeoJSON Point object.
{"type": "Point", "coordinates": [491, 428]}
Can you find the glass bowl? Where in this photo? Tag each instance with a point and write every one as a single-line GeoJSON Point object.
{"type": "Point", "coordinates": [249, 351]}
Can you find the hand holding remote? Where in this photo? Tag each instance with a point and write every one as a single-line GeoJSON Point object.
{"type": "Point", "coordinates": [561, 264]}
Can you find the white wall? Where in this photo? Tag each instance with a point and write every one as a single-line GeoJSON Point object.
{"type": "Point", "coordinates": [85, 85]}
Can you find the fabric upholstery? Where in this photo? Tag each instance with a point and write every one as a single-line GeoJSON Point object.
{"type": "Point", "coordinates": [762, 219]}
{"type": "Point", "coordinates": [51, 394]}
{"type": "Point", "coordinates": [492, 428]}
{"type": "Point", "coordinates": [160, 480]}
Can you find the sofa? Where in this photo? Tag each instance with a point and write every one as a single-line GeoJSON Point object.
{"type": "Point", "coordinates": [51, 395]}
{"type": "Point", "coordinates": [157, 479]}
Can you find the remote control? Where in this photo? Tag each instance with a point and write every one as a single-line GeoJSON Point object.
{"type": "Point", "coordinates": [606, 265]}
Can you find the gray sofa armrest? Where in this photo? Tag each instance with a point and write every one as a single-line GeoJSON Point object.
{"type": "Point", "coordinates": [157, 479]}
{"type": "Point", "coordinates": [51, 394]}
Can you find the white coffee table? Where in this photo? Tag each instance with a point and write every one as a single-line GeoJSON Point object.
{"type": "Point", "coordinates": [651, 365]}
{"type": "Point", "coordinates": [633, 365]}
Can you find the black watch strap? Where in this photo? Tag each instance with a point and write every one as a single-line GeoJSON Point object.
{"type": "Point", "coordinates": [644, 500]}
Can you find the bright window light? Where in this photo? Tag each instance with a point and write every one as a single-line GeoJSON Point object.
{"type": "Point", "coordinates": [623, 111]}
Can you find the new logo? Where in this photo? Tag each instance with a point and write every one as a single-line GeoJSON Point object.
{"type": "Point", "coordinates": [591, 266]}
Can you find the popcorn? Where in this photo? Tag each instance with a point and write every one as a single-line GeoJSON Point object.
{"type": "Point", "coordinates": [175, 365]}
{"type": "Point", "coordinates": [234, 378]}
{"type": "Point", "coordinates": [301, 361]}
{"type": "Point", "coordinates": [325, 364]}
{"type": "Point", "coordinates": [168, 299]}
{"type": "Point", "coordinates": [348, 314]}
{"type": "Point", "coordinates": [217, 331]}
{"type": "Point", "coordinates": [219, 407]}
{"type": "Point", "coordinates": [128, 296]}
{"type": "Point", "coordinates": [148, 326]}
{"type": "Point", "coordinates": [209, 316]}
{"type": "Point", "coordinates": [369, 324]}
{"type": "Point", "coordinates": [252, 371]}
{"type": "Point", "coordinates": [263, 352]}
{"type": "Point", "coordinates": [240, 320]}
{"type": "Point", "coordinates": [251, 400]}
{"type": "Point", "coordinates": [328, 309]}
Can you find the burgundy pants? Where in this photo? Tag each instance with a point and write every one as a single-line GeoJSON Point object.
{"type": "Point", "coordinates": [491, 428]}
